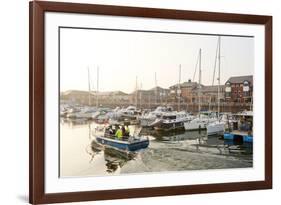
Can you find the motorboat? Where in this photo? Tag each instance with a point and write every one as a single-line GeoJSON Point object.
{"type": "Point", "coordinates": [147, 119]}
{"type": "Point", "coordinates": [131, 112]}
{"type": "Point", "coordinates": [128, 143]}
{"type": "Point", "coordinates": [171, 121]}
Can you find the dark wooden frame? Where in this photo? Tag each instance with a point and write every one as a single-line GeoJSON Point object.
{"type": "Point", "coordinates": [37, 95]}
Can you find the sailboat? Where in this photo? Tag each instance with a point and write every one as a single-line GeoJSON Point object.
{"type": "Point", "coordinates": [217, 127]}
{"type": "Point", "coordinates": [201, 121]}
{"type": "Point", "coordinates": [85, 112]}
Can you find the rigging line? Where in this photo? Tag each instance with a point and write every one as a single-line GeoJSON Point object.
{"type": "Point", "coordinates": [197, 61]}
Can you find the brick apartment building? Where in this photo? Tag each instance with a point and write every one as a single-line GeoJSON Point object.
{"type": "Point", "coordinates": [239, 89]}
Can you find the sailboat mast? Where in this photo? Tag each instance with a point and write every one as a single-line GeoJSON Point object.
{"type": "Point", "coordinates": [97, 98]}
{"type": "Point", "coordinates": [89, 87]}
{"type": "Point", "coordinates": [136, 95]}
{"type": "Point", "coordinates": [214, 73]}
{"type": "Point", "coordinates": [140, 93]}
{"type": "Point", "coordinates": [156, 92]}
{"type": "Point", "coordinates": [179, 89]}
{"type": "Point", "coordinates": [219, 70]}
{"type": "Point", "coordinates": [199, 90]}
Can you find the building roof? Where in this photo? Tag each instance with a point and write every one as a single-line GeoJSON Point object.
{"type": "Point", "coordinates": [107, 93]}
{"type": "Point", "coordinates": [240, 79]}
{"type": "Point", "coordinates": [152, 90]}
{"type": "Point", "coordinates": [211, 88]}
{"type": "Point", "coordinates": [157, 88]}
{"type": "Point", "coordinates": [75, 92]}
{"type": "Point", "coordinates": [80, 92]}
{"type": "Point", "coordinates": [185, 84]}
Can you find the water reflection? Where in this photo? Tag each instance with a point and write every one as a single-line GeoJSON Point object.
{"type": "Point", "coordinates": [81, 155]}
{"type": "Point", "coordinates": [115, 159]}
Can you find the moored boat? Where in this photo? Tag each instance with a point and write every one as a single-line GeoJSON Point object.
{"type": "Point", "coordinates": [239, 136]}
{"type": "Point", "coordinates": [147, 119]}
{"type": "Point", "coordinates": [173, 121]}
{"type": "Point", "coordinates": [198, 123]}
{"type": "Point", "coordinates": [216, 128]}
{"type": "Point", "coordinates": [242, 129]}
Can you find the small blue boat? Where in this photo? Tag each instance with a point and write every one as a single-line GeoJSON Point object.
{"type": "Point", "coordinates": [126, 145]}
{"type": "Point", "coordinates": [242, 129]}
{"type": "Point", "coordinates": [238, 136]}
{"type": "Point", "coordinates": [127, 142]}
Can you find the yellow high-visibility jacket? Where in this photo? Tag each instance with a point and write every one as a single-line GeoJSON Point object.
{"type": "Point", "coordinates": [118, 134]}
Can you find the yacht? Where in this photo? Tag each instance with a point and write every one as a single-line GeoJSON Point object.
{"type": "Point", "coordinates": [173, 121]}
{"type": "Point", "coordinates": [147, 119]}
{"type": "Point", "coordinates": [130, 112]}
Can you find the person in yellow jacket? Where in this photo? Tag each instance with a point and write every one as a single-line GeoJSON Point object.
{"type": "Point", "coordinates": [118, 133]}
{"type": "Point", "coordinates": [127, 131]}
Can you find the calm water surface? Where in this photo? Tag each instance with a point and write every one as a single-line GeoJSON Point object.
{"type": "Point", "coordinates": [81, 156]}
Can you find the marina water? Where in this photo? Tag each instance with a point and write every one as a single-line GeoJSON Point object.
{"type": "Point", "coordinates": [193, 150]}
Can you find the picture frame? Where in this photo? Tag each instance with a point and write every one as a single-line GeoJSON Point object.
{"type": "Point", "coordinates": [37, 111]}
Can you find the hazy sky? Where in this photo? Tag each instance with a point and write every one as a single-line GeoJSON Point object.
{"type": "Point", "coordinates": [123, 55]}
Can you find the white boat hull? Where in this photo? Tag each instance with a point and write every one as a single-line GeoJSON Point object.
{"type": "Point", "coordinates": [145, 122]}
{"type": "Point", "coordinates": [216, 128]}
{"type": "Point", "coordinates": [194, 125]}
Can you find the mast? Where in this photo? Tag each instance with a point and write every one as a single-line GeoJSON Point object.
{"type": "Point", "coordinates": [214, 73]}
{"type": "Point", "coordinates": [199, 90]}
{"type": "Point", "coordinates": [140, 93]}
{"type": "Point", "coordinates": [219, 70]}
{"type": "Point", "coordinates": [136, 95]}
{"type": "Point", "coordinates": [156, 92]}
{"type": "Point", "coordinates": [97, 98]}
{"type": "Point", "coordinates": [179, 89]}
{"type": "Point", "coordinates": [89, 87]}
